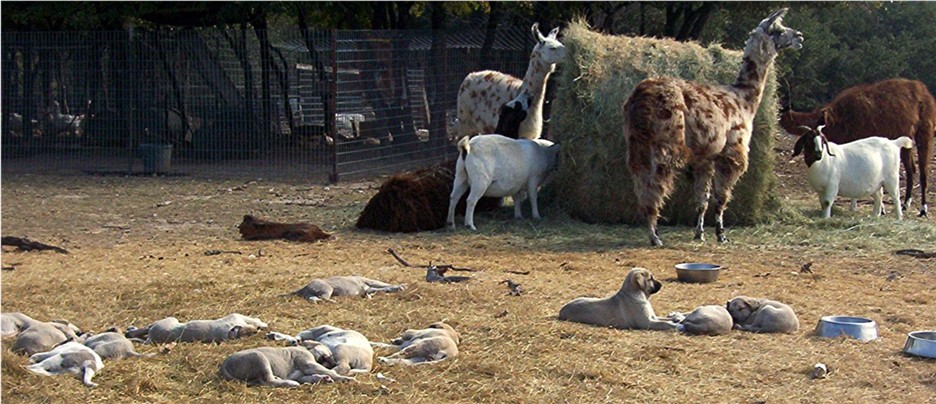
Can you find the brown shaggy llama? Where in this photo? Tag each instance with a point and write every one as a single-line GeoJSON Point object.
{"type": "Point", "coordinates": [890, 108]}
{"type": "Point", "coordinates": [258, 229]}
{"type": "Point", "coordinates": [671, 122]}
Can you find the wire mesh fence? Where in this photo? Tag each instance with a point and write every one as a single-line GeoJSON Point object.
{"type": "Point", "coordinates": [296, 102]}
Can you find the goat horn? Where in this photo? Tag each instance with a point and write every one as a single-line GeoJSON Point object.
{"type": "Point", "coordinates": [804, 127]}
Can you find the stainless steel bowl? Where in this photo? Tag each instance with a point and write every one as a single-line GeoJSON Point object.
{"type": "Point", "coordinates": [860, 328]}
{"type": "Point", "coordinates": [696, 272]}
{"type": "Point", "coordinates": [921, 343]}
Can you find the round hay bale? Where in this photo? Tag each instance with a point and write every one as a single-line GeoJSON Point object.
{"type": "Point", "coordinates": [592, 182]}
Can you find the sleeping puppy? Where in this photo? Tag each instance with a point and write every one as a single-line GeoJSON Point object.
{"type": "Point", "coordinates": [704, 320]}
{"type": "Point", "coordinates": [629, 308]}
{"type": "Point", "coordinates": [111, 345]}
{"type": "Point", "coordinates": [325, 289]}
{"type": "Point", "coordinates": [278, 367]}
{"type": "Point", "coordinates": [345, 351]}
{"type": "Point", "coordinates": [762, 315]}
{"type": "Point", "coordinates": [71, 357]}
{"type": "Point", "coordinates": [438, 342]}
{"type": "Point", "coordinates": [11, 324]}
{"type": "Point", "coordinates": [169, 329]}
{"type": "Point", "coordinates": [42, 336]}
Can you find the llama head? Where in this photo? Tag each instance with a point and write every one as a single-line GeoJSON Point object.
{"type": "Point", "coordinates": [770, 36]}
{"type": "Point", "coordinates": [548, 49]}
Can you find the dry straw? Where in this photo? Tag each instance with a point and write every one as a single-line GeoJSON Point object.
{"type": "Point", "coordinates": [592, 182]}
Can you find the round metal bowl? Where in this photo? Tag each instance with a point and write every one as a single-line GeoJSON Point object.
{"type": "Point", "coordinates": [695, 272]}
{"type": "Point", "coordinates": [860, 328]}
{"type": "Point", "coordinates": [921, 343]}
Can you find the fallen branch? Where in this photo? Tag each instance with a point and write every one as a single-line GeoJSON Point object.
{"type": "Point", "coordinates": [219, 252]}
{"type": "Point", "coordinates": [440, 268]}
{"type": "Point", "coordinates": [28, 245]}
{"type": "Point", "coordinates": [916, 253]}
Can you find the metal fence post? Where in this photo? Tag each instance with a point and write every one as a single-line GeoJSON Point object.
{"type": "Point", "coordinates": [332, 108]}
{"type": "Point", "coordinates": [131, 65]}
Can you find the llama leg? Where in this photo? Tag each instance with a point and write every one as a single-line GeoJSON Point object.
{"type": "Point", "coordinates": [906, 157]}
{"type": "Point", "coordinates": [728, 169]}
{"type": "Point", "coordinates": [702, 189]}
{"type": "Point", "coordinates": [651, 189]}
{"type": "Point", "coordinates": [923, 159]}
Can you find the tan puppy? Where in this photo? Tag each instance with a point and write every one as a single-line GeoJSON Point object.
{"type": "Point", "coordinates": [325, 289]}
{"type": "Point", "coordinates": [704, 320]}
{"type": "Point", "coordinates": [346, 351]}
{"type": "Point", "coordinates": [43, 336]}
{"type": "Point", "coordinates": [169, 329]}
{"type": "Point", "coordinates": [629, 308]}
{"type": "Point", "coordinates": [279, 367]}
{"type": "Point", "coordinates": [762, 315]}
{"type": "Point", "coordinates": [437, 342]}
{"type": "Point", "coordinates": [70, 357]}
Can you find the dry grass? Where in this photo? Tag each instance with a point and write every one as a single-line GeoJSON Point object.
{"type": "Point", "coordinates": [597, 77]}
{"type": "Point", "coordinates": [132, 262]}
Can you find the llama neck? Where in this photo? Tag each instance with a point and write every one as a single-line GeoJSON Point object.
{"type": "Point", "coordinates": [534, 81]}
{"type": "Point", "coordinates": [759, 54]}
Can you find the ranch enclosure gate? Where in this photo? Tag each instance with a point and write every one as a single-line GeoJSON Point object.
{"type": "Point", "coordinates": [291, 101]}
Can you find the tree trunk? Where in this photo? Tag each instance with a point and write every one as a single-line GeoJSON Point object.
{"type": "Point", "coordinates": [438, 76]}
{"type": "Point", "coordinates": [490, 35]}
{"type": "Point", "coordinates": [266, 97]}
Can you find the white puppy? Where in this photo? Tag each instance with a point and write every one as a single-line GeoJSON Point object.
{"type": "Point", "coordinates": [111, 345]}
{"type": "Point", "coordinates": [762, 315]}
{"type": "Point", "coordinates": [629, 308]}
{"type": "Point", "coordinates": [348, 351]}
{"type": "Point", "coordinates": [70, 357]}
{"type": "Point", "coordinates": [12, 324]}
{"type": "Point", "coordinates": [279, 367]}
{"type": "Point", "coordinates": [229, 327]}
{"type": "Point", "coordinates": [42, 336]}
{"type": "Point", "coordinates": [325, 289]}
{"type": "Point", "coordinates": [437, 342]}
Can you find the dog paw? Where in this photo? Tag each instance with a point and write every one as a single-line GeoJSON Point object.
{"type": "Point", "coordinates": [382, 359]}
{"type": "Point", "coordinates": [681, 327]}
{"type": "Point", "coordinates": [676, 316]}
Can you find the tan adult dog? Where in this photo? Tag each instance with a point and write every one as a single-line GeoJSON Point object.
{"type": "Point", "coordinates": [169, 329]}
{"type": "Point", "coordinates": [42, 336]}
{"type": "Point", "coordinates": [437, 342]}
{"type": "Point", "coordinates": [347, 351]}
{"type": "Point", "coordinates": [629, 308]}
{"type": "Point", "coordinates": [704, 320]}
{"type": "Point", "coordinates": [325, 289]}
{"type": "Point", "coordinates": [279, 367]}
{"type": "Point", "coordinates": [762, 315]}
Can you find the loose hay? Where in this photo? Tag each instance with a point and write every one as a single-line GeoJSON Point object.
{"type": "Point", "coordinates": [592, 182]}
{"type": "Point", "coordinates": [416, 201]}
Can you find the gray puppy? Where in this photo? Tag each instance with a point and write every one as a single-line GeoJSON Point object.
{"type": "Point", "coordinates": [169, 329]}
{"type": "Point", "coordinates": [43, 336]}
{"type": "Point", "coordinates": [345, 351]}
{"type": "Point", "coordinates": [279, 367]}
{"type": "Point", "coordinates": [325, 289]}
{"type": "Point", "coordinates": [437, 342]}
{"type": "Point", "coordinates": [12, 324]}
{"type": "Point", "coordinates": [762, 315]}
{"type": "Point", "coordinates": [704, 320]}
{"type": "Point", "coordinates": [111, 345]}
{"type": "Point", "coordinates": [629, 308]}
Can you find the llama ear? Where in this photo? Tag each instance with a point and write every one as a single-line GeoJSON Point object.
{"type": "Point", "coordinates": [776, 17]}
{"type": "Point", "coordinates": [536, 33]}
{"type": "Point", "coordinates": [554, 33]}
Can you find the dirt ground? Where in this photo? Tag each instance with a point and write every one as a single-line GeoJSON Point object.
{"type": "Point", "coordinates": [137, 254]}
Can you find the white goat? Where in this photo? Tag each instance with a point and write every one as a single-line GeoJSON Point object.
{"type": "Point", "coordinates": [498, 166]}
{"type": "Point", "coordinates": [853, 170]}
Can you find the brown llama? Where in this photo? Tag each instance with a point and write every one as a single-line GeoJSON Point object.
{"type": "Point", "coordinates": [889, 108]}
{"type": "Point", "coordinates": [670, 123]}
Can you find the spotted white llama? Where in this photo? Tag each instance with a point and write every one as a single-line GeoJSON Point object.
{"type": "Point", "coordinates": [483, 93]}
{"type": "Point", "coordinates": [671, 122]}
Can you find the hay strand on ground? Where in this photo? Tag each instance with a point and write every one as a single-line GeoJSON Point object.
{"type": "Point", "coordinates": [592, 182]}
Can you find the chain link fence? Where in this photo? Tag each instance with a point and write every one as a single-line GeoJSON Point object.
{"type": "Point", "coordinates": [289, 102]}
